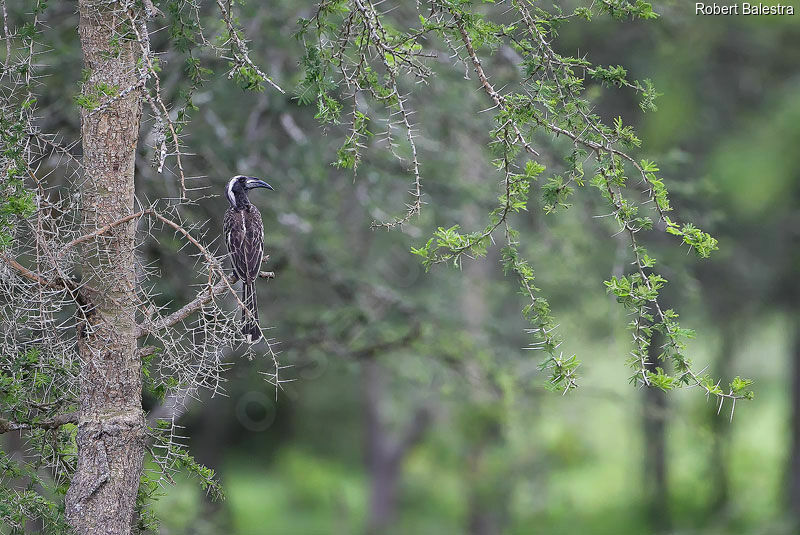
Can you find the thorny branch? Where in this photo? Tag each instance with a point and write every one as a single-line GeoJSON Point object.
{"type": "Point", "coordinates": [241, 53]}
{"type": "Point", "coordinates": [30, 275]}
{"type": "Point", "coordinates": [354, 41]}
{"type": "Point", "coordinates": [47, 423]}
{"type": "Point", "coordinates": [371, 41]}
{"type": "Point", "coordinates": [189, 351]}
{"type": "Point", "coordinates": [159, 109]}
{"type": "Point", "coordinates": [203, 298]}
{"type": "Point", "coordinates": [496, 97]}
{"type": "Point", "coordinates": [43, 297]}
{"type": "Point", "coordinates": [600, 149]}
{"type": "Point", "coordinates": [373, 61]}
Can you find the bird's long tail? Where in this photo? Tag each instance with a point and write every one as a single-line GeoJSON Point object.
{"type": "Point", "coordinates": [250, 321]}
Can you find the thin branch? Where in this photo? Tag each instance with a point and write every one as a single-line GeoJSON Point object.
{"type": "Point", "coordinates": [389, 345]}
{"type": "Point", "coordinates": [496, 97]}
{"type": "Point", "coordinates": [35, 277]}
{"type": "Point", "coordinates": [203, 297]}
{"type": "Point", "coordinates": [143, 38]}
{"type": "Point", "coordinates": [102, 230]}
{"type": "Point", "coordinates": [49, 423]}
{"type": "Point", "coordinates": [243, 55]}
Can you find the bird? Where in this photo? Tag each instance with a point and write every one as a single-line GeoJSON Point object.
{"type": "Point", "coordinates": [244, 237]}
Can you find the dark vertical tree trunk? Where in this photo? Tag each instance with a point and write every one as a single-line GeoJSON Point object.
{"type": "Point", "coordinates": [386, 451]}
{"type": "Point", "coordinates": [720, 426]}
{"type": "Point", "coordinates": [487, 510]}
{"type": "Point", "coordinates": [654, 426]}
{"type": "Point", "coordinates": [383, 470]}
{"type": "Point", "coordinates": [487, 504]}
{"type": "Point", "coordinates": [111, 425]}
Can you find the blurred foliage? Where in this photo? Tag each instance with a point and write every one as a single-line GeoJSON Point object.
{"type": "Point", "coordinates": [502, 455]}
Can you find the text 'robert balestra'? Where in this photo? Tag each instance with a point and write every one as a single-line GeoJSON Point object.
{"type": "Point", "coordinates": [742, 9]}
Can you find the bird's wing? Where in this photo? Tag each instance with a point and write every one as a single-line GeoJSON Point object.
{"type": "Point", "coordinates": [254, 242]}
{"type": "Point", "coordinates": [234, 227]}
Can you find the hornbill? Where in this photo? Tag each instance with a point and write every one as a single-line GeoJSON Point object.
{"type": "Point", "coordinates": [244, 236]}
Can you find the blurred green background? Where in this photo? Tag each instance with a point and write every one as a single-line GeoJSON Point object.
{"type": "Point", "coordinates": [415, 408]}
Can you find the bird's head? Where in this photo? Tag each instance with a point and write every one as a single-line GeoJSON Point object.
{"type": "Point", "coordinates": [238, 186]}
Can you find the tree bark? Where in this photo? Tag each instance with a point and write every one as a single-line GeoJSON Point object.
{"type": "Point", "coordinates": [102, 496]}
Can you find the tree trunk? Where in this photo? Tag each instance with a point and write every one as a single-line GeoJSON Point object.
{"type": "Point", "coordinates": [386, 452]}
{"type": "Point", "coordinates": [654, 424]}
{"type": "Point", "coordinates": [720, 426]}
{"type": "Point", "coordinates": [111, 425]}
{"type": "Point", "coordinates": [384, 469]}
{"type": "Point", "coordinates": [487, 511]}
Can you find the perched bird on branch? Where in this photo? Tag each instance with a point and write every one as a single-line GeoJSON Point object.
{"type": "Point", "coordinates": [244, 236]}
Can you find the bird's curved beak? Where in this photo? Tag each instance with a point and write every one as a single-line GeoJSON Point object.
{"type": "Point", "coordinates": [253, 183]}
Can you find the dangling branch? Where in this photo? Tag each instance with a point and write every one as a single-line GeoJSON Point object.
{"type": "Point", "coordinates": [239, 48]}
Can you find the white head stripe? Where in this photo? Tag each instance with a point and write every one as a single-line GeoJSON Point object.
{"type": "Point", "coordinates": [229, 191]}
